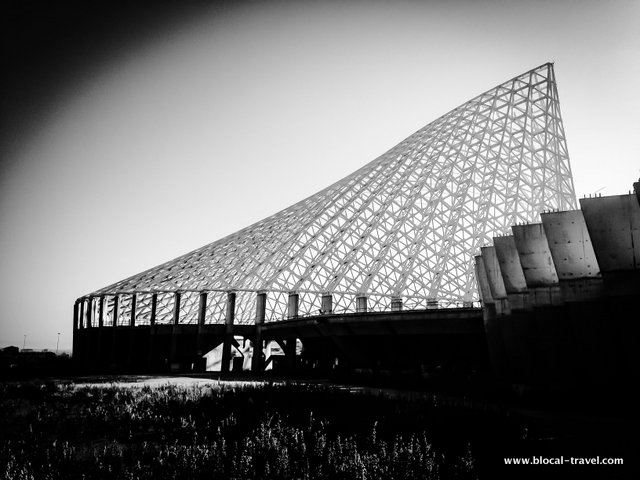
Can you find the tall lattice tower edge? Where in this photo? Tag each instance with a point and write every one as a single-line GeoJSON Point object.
{"type": "Point", "coordinates": [400, 232]}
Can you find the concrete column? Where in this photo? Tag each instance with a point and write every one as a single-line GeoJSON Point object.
{"type": "Point", "coordinates": [228, 333]}
{"type": "Point", "coordinates": [176, 309]}
{"type": "Point", "coordinates": [174, 330]}
{"type": "Point", "coordinates": [613, 223]}
{"type": "Point", "coordinates": [496, 282]}
{"type": "Point", "coordinates": [537, 264]}
{"type": "Point", "coordinates": [116, 301]}
{"type": "Point", "coordinates": [81, 316]}
{"type": "Point", "coordinates": [112, 357]}
{"type": "Point", "coordinates": [154, 309]}
{"type": "Point", "coordinates": [292, 311]}
{"type": "Point", "coordinates": [512, 274]}
{"type": "Point", "coordinates": [152, 333]}
{"type": "Point", "coordinates": [494, 274]}
{"type": "Point", "coordinates": [76, 314]}
{"type": "Point", "coordinates": [202, 314]}
{"type": "Point", "coordinates": [257, 363]}
{"type": "Point", "coordinates": [89, 312]}
{"type": "Point", "coordinates": [132, 324]}
{"type": "Point", "coordinates": [132, 321]}
{"type": "Point", "coordinates": [396, 304]}
{"type": "Point", "coordinates": [493, 330]}
{"type": "Point", "coordinates": [573, 256]}
{"type": "Point", "coordinates": [361, 304]}
{"type": "Point", "coordinates": [483, 282]}
{"type": "Point", "coordinates": [99, 352]}
{"type": "Point", "coordinates": [327, 303]}
{"type": "Point", "coordinates": [202, 308]}
{"type": "Point", "coordinates": [101, 311]}
{"type": "Point", "coordinates": [75, 340]}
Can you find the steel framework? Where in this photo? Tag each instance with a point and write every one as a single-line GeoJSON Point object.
{"type": "Point", "coordinates": [400, 232]}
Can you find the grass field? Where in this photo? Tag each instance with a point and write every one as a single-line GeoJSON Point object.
{"type": "Point", "coordinates": [223, 431]}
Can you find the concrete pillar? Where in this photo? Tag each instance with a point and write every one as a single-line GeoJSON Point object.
{"type": "Point", "coordinates": [537, 264]}
{"type": "Point", "coordinates": [493, 331]}
{"type": "Point", "coordinates": [101, 311]}
{"type": "Point", "coordinates": [81, 316]}
{"type": "Point", "coordinates": [257, 363]}
{"type": "Point", "coordinates": [116, 302]}
{"type": "Point", "coordinates": [225, 364]}
{"type": "Point", "coordinates": [613, 223]}
{"type": "Point", "coordinates": [75, 340]}
{"type": "Point", "coordinates": [361, 304]}
{"type": "Point", "coordinates": [132, 320]}
{"type": "Point", "coordinates": [292, 310]}
{"type": "Point", "coordinates": [573, 255]}
{"type": "Point", "coordinates": [512, 274]}
{"type": "Point", "coordinates": [89, 312]}
{"type": "Point", "coordinates": [76, 314]}
{"type": "Point", "coordinates": [327, 303]}
{"type": "Point", "coordinates": [202, 308]}
{"type": "Point", "coordinates": [112, 357]}
{"type": "Point", "coordinates": [152, 331]}
{"type": "Point", "coordinates": [154, 309]}
{"type": "Point", "coordinates": [176, 309]}
{"type": "Point", "coordinates": [99, 349]}
{"type": "Point", "coordinates": [202, 314]}
{"type": "Point", "coordinates": [396, 304]}
{"type": "Point", "coordinates": [494, 274]}
{"type": "Point", "coordinates": [494, 277]}
{"type": "Point", "coordinates": [483, 282]}
{"type": "Point", "coordinates": [174, 330]}
{"type": "Point", "coordinates": [132, 324]}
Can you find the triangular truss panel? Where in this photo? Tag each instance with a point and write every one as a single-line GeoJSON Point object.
{"type": "Point", "coordinates": [405, 226]}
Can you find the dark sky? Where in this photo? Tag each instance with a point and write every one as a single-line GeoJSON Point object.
{"type": "Point", "coordinates": [48, 46]}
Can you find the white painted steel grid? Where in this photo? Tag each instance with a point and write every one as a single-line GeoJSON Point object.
{"type": "Point", "coordinates": [405, 225]}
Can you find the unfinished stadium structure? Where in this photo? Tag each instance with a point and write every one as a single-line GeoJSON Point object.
{"type": "Point", "coordinates": [388, 249]}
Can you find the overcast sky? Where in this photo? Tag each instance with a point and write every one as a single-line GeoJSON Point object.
{"type": "Point", "coordinates": [133, 135]}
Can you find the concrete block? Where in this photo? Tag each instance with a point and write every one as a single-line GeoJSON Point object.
{"type": "Point", "coordinates": [512, 274]}
{"type": "Point", "coordinates": [535, 255]}
{"type": "Point", "coordinates": [614, 228]}
{"type": "Point", "coordinates": [483, 282]}
{"type": "Point", "coordinates": [570, 245]}
{"type": "Point", "coordinates": [494, 275]}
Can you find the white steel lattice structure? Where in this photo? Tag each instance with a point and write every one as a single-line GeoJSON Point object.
{"type": "Point", "coordinates": [405, 226]}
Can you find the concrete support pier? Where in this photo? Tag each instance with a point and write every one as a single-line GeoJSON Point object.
{"type": "Point", "coordinates": [225, 365]}
{"type": "Point", "coordinates": [257, 361]}
{"type": "Point", "coordinates": [202, 313]}
{"type": "Point", "coordinates": [326, 304]}
{"type": "Point", "coordinates": [396, 304]}
{"type": "Point", "coordinates": [361, 304]}
{"type": "Point", "coordinates": [175, 330]}
{"type": "Point", "coordinates": [292, 306]}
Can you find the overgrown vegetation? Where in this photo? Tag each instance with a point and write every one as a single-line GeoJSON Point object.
{"type": "Point", "coordinates": [246, 431]}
